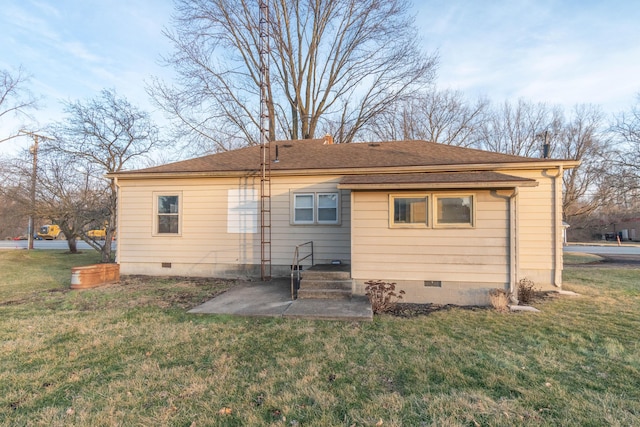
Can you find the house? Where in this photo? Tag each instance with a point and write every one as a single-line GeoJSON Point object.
{"type": "Point", "coordinates": [447, 224]}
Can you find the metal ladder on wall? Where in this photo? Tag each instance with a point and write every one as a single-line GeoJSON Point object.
{"type": "Point", "coordinates": [265, 151]}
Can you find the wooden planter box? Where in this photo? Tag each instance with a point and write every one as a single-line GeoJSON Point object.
{"type": "Point", "coordinates": [91, 276]}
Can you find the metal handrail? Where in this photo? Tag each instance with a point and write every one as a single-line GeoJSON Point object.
{"type": "Point", "coordinates": [295, 267]}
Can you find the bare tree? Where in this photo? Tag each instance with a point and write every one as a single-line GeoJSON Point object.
{"type": "Point", "coordinates": [626, 129]}
{"type": "Point", "coordinates": [12, 220]}
{"type": "Point", "coordinates": [523, 128]}
{"type": "Point", "coordinates": [442, 116]}
{"type": "Point", "coordinates": [517, 129]}
{"type": "Point", "coordinates": [15, 98]}
{"type": "Point", "coordinates": [100, 135]}
{"type": "Point", "coordinates": [74, 196]}
{"type": "Point", "coordinates": [70, 194]}
{"type": "Point", "coordinates": [335, 66]}
{"type": "Point", "coordinates": [588, 186]}
{"type": "Point", "coordinates": [12, 215]}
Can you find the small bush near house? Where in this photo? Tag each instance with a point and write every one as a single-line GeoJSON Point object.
{"type": "Point", "coordinates": [499, 299]}
{"type": "Point", "coordinates": [526, 291]}
{"type": "Point", "coordinates": [383, 295]}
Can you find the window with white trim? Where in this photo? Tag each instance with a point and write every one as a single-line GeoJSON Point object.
{"type": "Point", "coordinates": [454, 210]}
{"type": "Point", "coordinates": [303, 208]}
{"type": "Point", "coordinates": [167, 214]}
{"type": "Point", "coordinates": [316, 208]}
{"type": "Point", "coordinates": [327, 208]}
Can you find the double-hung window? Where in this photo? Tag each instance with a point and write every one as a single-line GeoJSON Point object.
{"type": "Point", "coordinates": [327, 208]}
{"type": "Point", "coordinates": [167, 214]}
{"type": "Point", "coordinates": [316, 208]}
{"type": "Point", "coordinates": [303, 208]}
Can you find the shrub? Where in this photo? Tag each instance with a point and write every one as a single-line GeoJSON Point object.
{"type": "Point", "coordinates": [499, 299]}
{"type": "Point", "coordinates": [382, 295]}
{"type": "Point", "coordinates": [526, 291]}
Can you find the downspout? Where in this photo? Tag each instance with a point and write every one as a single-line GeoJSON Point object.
{"type": "Point", "coordinates": [558, 246]}
{"type": "Point", "coordinates": [352, 207]}
{"type": "Point", "coordinates": [514, 254]}
{"type": "Point", "coordinates": [557, 225]}
{"type": "Point", "coordinates": [115, 182]}
{"type": "Point", "coordinates": [513, 245]}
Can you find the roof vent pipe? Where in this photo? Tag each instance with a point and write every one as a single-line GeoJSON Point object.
{"type": "Point", "coordinates": [328, 139]}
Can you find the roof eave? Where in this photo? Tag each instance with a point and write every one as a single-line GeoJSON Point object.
{"type": "Point", "coordinates": [494, 185]}
{"type": "Point", "coordinates": [532, 165]}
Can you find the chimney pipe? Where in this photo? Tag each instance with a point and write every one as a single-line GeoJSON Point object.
{"type": "Point", "coordinates": [546, 147]}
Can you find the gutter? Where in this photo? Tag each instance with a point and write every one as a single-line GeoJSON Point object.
{"type": "Point", "coordinates": [533, 165]}
{"type": "Point", "coordinates": [494, 185]}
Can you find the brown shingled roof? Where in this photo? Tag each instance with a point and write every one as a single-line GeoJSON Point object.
{"type": "Point", "coordinates": [436, 180]}
{"type": "Point", "coordinates": [314, 154]}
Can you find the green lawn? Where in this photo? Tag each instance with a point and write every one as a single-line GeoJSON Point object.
{"type": "Point", "coordinates": [572, 258]}
{"type": "Point", "coordinates": [129, 354]}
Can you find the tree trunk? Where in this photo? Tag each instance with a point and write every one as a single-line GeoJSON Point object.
{"type": "Point", "coordinates": [111, 225]}
{"type": "Point", "coordinates": [72, 243]}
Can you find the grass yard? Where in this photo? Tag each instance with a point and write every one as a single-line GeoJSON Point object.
{"type": "Point", "coordinates": [129, 354]}
{"type": "Point", "coordinates": [572, 258]}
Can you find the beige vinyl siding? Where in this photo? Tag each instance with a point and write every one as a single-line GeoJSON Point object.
{"type": "Point", "coordinates": [478, 255]}
{"type": "Point", "coordinates": [538, 240]}
{"type": "Point", "coordinates": [330, 241]}
{"type": "Point", "coordinates": [204, 241]}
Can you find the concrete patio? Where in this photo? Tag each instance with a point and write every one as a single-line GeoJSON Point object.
{"type": "Point", "coordinates": [273, 299]}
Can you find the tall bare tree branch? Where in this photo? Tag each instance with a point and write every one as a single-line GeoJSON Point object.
{"type": "Point", "coordinates": [100, 135]}
{"type": "Point", "coordinates": [442, 116]}
{"type": "Point", "coordinates": [335, 66]}
{"type": "Point", "coordinates": [15, 99]}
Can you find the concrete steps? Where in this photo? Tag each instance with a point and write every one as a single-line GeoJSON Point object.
{"type": "Point", "coordinates": [326, 282]}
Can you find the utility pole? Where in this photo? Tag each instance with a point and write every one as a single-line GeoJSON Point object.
{"type": "Point", "coordinates": [34, 174]}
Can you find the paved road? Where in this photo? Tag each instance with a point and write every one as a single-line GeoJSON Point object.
{"type": "Point", "coordinates": [605, 250]}
{"type": "Point", "coordinates": [625, 256]}
{"type": "Point", "coordinates": [43, 244]}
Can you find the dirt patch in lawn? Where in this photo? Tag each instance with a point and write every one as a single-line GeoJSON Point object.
{"type": "Point", "coordinates": [408, 310]}
{"type": "Point", "coordinates": [178, 292]}
{"type": "Point", "coordinates": [415, 310]}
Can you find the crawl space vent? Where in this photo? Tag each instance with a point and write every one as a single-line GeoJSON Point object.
{"type": "Point", "coordinates": [433, 283]}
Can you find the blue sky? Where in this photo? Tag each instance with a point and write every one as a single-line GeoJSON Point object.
{"type": "Point", "coordinates": [560, 52]}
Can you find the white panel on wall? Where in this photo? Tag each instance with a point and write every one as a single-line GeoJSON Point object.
{"type": "Point", "coordinates": [242, 211]}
